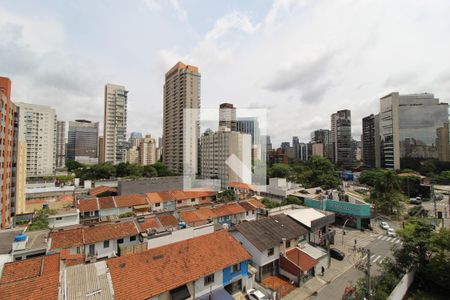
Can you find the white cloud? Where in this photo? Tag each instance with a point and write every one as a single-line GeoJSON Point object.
{"type": "Point", "coordinates": [235, 20]}
{"type": "Point", "coordinates": [156, 5]}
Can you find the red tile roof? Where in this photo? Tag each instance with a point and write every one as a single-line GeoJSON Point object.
{"type": "Point", "coordinates": [241, 186]}
{"type": "Point", "coordinates": [152, 272]}
{"type": "Point", "coordinates": [251, 204]}
{"type": "Point", "coordinates": [86, 205]}
{"type": "Point", "coordinates": [149, 223]}
{"type": "Point", "coordinates": [228, 209]}
{"type": "Point", "coordinates": [168, 221]}
{"type": "Point", "coordinates": [91, 234]}
{"type": "Point", "coordinates": [101, 189]}
{"type": "Point", "coordinates": [158, 197]}
{"type": "Point", "coordinates": [106, 202]}
{"type": "Point", "coordinates": [131, 200]}
{"type": "Point", "coordinates": [35, 278]}
{"type": "Point", "coordinates": [301, 259]}
{"type": "Point", "coordinates": [201, 214]}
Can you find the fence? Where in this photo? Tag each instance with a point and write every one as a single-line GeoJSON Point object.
{"type": "Point", "coordinates": [402, 287]}
{"type": "Point", "coordinates": [271, 294]}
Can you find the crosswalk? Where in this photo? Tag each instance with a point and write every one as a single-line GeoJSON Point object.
{"type": "Point", "coordinates": [389, 239]}
{"type": "Point", "coordinates": [374, 258]}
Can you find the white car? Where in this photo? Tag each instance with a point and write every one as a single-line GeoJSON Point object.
{"type": "Point", "coordinates": [391, 232]}
{"type": "Point", "coordinates": [384, 225]}
{"type": "Point", "coordinates": [256, 295]}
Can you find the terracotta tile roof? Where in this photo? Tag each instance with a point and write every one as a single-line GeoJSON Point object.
{"type": "Point", "coordinates": [110, 231]}
{"type": "Point", "coordinates": [201, 214]}
{"type": "Point", "coordinates": [152, 272]}
{"type": "Point", "coordinates": [247, 206]}
{"type": "Point", "coordinates": [190, 217]}
{"type": "Point", "coordinates": [254, 203]}
{"type": "Point", "coordinates": [101, 189]}
{"type": "Point", "coordinates": [106, 202]}
{"type": "Point", "coordinates": [149, 223]}
{"type": "Point", "coordinates": [301, 259]}
{"type": "Point", "coordinates": [85, 205]}
{"type": "Point", "coordinates": [168, 221]}
{"type": "Point", "coordinates": [228, 210]}
{"type": "Point", "coordinates": [91, 234]}
{"type": "Point", "coordinates": [19, 283]}
{"type": "Point", "coordinates": [158, 197]}
{"type": "Point", "coordinates": [70, 259]}
{"type": "Point", "coordinates": [241, 186]}
{"type": "Point", "coordinates": [61, 239]}
{"type": "Point", "coordinates": [131, 200]}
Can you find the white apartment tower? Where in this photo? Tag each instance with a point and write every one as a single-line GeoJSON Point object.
{"type": "Point", "coordinates": [37, 128]}
{"type": "Point", "coordinates": [60, 144]}
{"type": "Point", "coordinates": [115, 123]}
{"type": "Point", "coordinates": [181, 129]}
{"type": "Point", "coordinates": [147, 151]}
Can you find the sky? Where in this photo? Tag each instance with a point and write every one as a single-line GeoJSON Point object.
{"type": "Point", "coordinates": [300, 60]}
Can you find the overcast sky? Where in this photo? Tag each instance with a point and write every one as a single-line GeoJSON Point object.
{"type": "Point", "coordinates": [301, 60]}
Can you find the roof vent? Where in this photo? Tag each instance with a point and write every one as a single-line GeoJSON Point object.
{"type": "Point", "coordinates": [160, 256]}
{"type": "Point", "coordinates": [122, 265]}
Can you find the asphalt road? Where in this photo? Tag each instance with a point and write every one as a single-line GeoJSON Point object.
{"type": "Point", "coordinates": [380, 249]}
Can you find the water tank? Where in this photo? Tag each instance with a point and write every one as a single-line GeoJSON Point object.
{"type": "Point", "coordinates": [20, 238]}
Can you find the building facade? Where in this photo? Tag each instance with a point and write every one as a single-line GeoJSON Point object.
{"type": "Point", "coordinates": [409, 128]}
{"type": "Point", "coordinates": [82, 143]}
{"type": "Point", "coordinates": [371, 141]}
{"type": "Point", "coordinates": [60, 144]}
{"type": "Point", "coordinates": [226, 155]}
{"type": "Point", "coordinates": [227, 116]}
{"type": "Point", "coordinates": [341, 138]}
{"type": "Point", "coordinates": [101, 149]}
{"type": "Point", "coordinates": [8, 127]}
{"type": "Point", "coordinates": [115, 123]}
{"type": "Point", "coordinates": [323, 136]}
{"type": "Point", "coordinates": [181, 125]}
{"type": "Point", "coordinates": [37, 127]}
{"type": "Point", "coordinates": [147, 151]}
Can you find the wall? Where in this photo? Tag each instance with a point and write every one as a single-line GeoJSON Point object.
{"type": "Point", "coordinates": [201, 289]}
{"type": "Point", "coordinates": [112, 249]}
{"type": "Point", "coordinates": [179, 235]}
{"type": "Point", "coordinates": [67, 220]}
{"type": "Point", "coordinates": [402, 287]}
{"type": "Point", "coordinates": [148, 185]}
{"type": "Point", "coordinates": [258, 258]}
{"type": "Point", "coordinates": [229, 276]}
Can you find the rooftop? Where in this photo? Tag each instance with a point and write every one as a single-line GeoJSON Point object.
{"type": "Point", "coordinates": [152, 272]}
{"type": "Point", "coordinates": [305, 215]}
{"type": "Point", "coordinates": [300, 258]}
{"type": "Point", "coordinates": [269, 232]}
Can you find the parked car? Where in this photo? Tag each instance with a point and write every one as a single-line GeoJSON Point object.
{"type": "Point", "coordinates": [384, 225]}
{"type": "Point", "coordinates": [256, 295]}
{"type": "Point", "coordinates": [337, 254]}
{"type": "Point", "coordinates": [416, 200]}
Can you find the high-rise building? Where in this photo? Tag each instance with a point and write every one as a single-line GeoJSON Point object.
{"type": "Point", "coordinates": [442, 142]}
{"type": "Point", "coordinates": [60, 144]}
{"type": "Point", "coordinates": [135, 139]}
{"type": "Point", "coordinates": [341, 138]}
{"type": "Point", "coordinates": [37, 127]}
{"type": "Point", "coordinates": [323, 136]}
{"type": "Point", "coordinates": [82, 143]}
{"type": "Point", "coordinates": [250, 126]}
{"type": "Point", "coordinates": [147, 151]}
{"type": "Point", "coordinates": [285, 145]}
{"type": "Point", "coordinates": [227, 116]}
{"type": "Point", "coordinates": [371, 141]}
{"type": "Point", "coordinates": [8, 128]}
{"type": "Point", "coordinates": [115, 123]}
{"type": "Point", "coordinates": [408, 127]}
{"type": "Point", "coordinates": [226, 155]}
{"type": "Point", "coordinates": [101, 149]}
{"type": "Point", "coordinates": [132, 156]}
{"type": "Point", "coordinates": [180, 125]}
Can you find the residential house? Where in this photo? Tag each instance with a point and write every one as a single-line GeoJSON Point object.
{"type": "Point", "coordinates": [317, 222]}
{"type": "Point", "coordinates": [230, 214]}
{"type": "Point", "coordinates": [253, 208]}
{"type": "Point", "coordinates": [95, 241]}
{"type": "Point", "coordinates": [267, 238]}
{"type": "Point", "coordinates": [198, 216]}
{"type": "Point", "coordinates": [203, 266]}
{"type": "Point", "coordinates": [64, 217]}
{"type": "Point", "coordinates": [242, 190]}
{"type": "Point", "coordinates": [178, 199]}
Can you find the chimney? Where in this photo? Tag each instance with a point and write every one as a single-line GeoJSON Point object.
{"type": "Point", "coordinates": [284, 246]}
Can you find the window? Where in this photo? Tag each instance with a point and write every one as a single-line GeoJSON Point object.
{"type": "Point", "coordinates": [236, 268]}
{"type": "Point", "coordinates": [270, 251]}
{"type": "Point", "coordinates": [92, 213]}
{"type": "Point", "coordinates": [288, 244]}
{"type": "Point", "coordinates": [58, 218]}
{"type": "Point", "coordinates": [209, 279]}
{"type": "Point", "coordinates": [132, 238]}
{"type": "Point", "coordinates": [179, 201]}
{"type": "Point", "coordinates": [157, 204]}
{"type": "Point", "coordinates": [120, 241]}
{"type": "Point", "coordinates": [106, 244]}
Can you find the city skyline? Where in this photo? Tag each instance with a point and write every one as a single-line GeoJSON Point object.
{"type": "Point", "coordinates": [70, 69]}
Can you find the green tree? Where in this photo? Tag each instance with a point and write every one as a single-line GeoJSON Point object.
{"type": "Point", "coordinates": [386, 194]}
{"type": "Point", "coordinates": [162, 169]}
{"type": "Point", "coordinates": [72, 165]}
{"type": "Point", "coordinates": [410, 185]}
{"type": "Point", "coordinates": [443, 177]}
{"type": "Point", "coordinates": [280, 170]}
{"type": "Point", "coordinates": [40, 219]}
{"type": "Point", "coordinates": [369, 177]}
{"type": "Point", "coordinates": [149, 171]}
{"type": "Point", "coordinates": [228, 195]}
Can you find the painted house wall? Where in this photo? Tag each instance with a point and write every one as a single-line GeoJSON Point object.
{"type": "Point", "coordinates": [258, 258]}
{"type": "Point", "coordinates": [66, 220]}
{"type": "Point", "coordinates": [110, 251]}
{"type": "Point", "coordinates": [229, 276]}
{"type": "Point", "coordinates": [202, 289]}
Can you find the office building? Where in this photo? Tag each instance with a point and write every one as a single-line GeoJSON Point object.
{"type": "Point", "coordinates": [8, 127]}
{"type": "Point", "coordinates": [115, 123]}
{"type": "Point", "coordinates": [371, 141]}
{"type": "Point", "coordinates": [37, 127]}
{"type": "Point", "coordinates": [227, 116]}
{"type": "Point", "coordinates": [132, 156]}
{"type": "Point", "coordinates": [101, 149]}
{"type": "Point", "coordinates": [442, 142]}
{"type": "Point", "coordinates": [226, 155]}
{"type": "Point", "coordinates": [180, 126]}
{"type": "Point", "coordinates": [135, 139]}
{"type": "Point", "coordinates": [82, 143]}
{"type": "Point", "coordinates": [250, 126]}
{"type": "Point", "coordinates": [409, 128]}
{"type": "Point", "coordinates": [323, 136]}
{"type": "Point", "coordinates": [60, 144]}
{"type": "Point", "coordinates": [341, 138]}
{"type": "Point", "coordinates": [147, 151]}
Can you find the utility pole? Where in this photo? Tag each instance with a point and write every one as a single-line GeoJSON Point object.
{"type": "Point", "coordinates": [369, 287]}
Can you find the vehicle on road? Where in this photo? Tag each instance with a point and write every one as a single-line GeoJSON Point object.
{"type": "Point", "coordinates": [256, 295]}
{"type": "Point", "coordinates": [416, 200]}
{"type": "Point", "coordinates": [391, 232]}
{"type": "Point", "coordinates": [337, 254]}
{"type": "Point", "coordinates": [384, 225]}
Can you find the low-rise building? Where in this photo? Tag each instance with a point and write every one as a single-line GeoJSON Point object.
{"type": "Point", "coordinates": [253, 208]}
{"type": "Point", "coordinates": [242, 190]}
{"type": "Point", "coordinates": [189, 269]}
{"type": "Point", "coordinates": [317, 223]}
{"type": "Point", "coordinates": [63, 217]}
